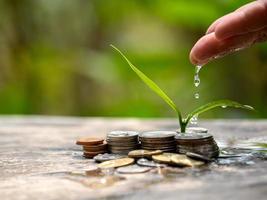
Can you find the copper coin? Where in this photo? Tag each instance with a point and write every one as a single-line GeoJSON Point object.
{"type": "Point", "coordinates": [87, 154]}
{"type": "Point", "coordinates": [99, 147]}
{"type": "Point", "coordinates": [89, 141]}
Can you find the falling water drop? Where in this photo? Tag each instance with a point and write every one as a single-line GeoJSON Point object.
{"type": "Point", "coordinates": [198, 67]}
{"type": "Point", "coordinates": [196, 95]}
{"type": "Point", "coordinates": [196, 80]}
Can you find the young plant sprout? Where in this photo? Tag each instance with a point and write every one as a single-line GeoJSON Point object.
{"type": "Point", "coordinates": [182, 121]}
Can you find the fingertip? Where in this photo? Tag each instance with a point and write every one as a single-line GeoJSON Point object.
{"type": "Point", "coordinates": [209, 30]}
{"type": "Point", "coordinates": [194, 60]}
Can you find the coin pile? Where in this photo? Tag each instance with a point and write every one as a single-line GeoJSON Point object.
{"type": "Point", "coordinates": [122, 142]}
{"type": "Point", "coordinates": [158, 140]}
{"type": "Point", "coordinates": [92, 146]}
{"type": "Point", "coordinates": [199, 143]}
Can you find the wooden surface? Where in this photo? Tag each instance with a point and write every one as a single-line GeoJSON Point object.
{"type": "Point", "coordinates": [37, 155]}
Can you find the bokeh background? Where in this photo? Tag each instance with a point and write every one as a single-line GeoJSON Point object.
{"type": "Point", "coordinates": [55, 58]}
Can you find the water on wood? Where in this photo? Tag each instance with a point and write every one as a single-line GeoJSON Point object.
{"type": "Point", "coordinates": [35, 166]}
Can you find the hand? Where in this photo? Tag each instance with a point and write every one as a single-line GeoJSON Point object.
{"type": "Point", "coordinates": [237, 30]}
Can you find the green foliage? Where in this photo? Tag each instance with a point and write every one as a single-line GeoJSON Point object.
{"type": "Point", "coordinates": [151, 84]}
{"type": "Point", "coordinates": [52, 67]}
{"type": "Point", "coordinates": [183, 121]}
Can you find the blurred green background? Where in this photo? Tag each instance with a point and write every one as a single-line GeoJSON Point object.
{"type": "Point", "coordinates": [55, 58]}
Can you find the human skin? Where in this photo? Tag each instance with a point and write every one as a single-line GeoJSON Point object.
{"type": "Point", "coordinates": [235, 31]}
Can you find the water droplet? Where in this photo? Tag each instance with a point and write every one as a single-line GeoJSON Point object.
{"type": "Point", "coordinates": [194, 120]}
{"type": "Point", "coordinates": [196, 80]}
{"type": "Point", "coordinates": [198, 67]}
{"type": "Point", "coordinates": [196, 95]}
{"type": "Point", "coordinates": [224, 106]}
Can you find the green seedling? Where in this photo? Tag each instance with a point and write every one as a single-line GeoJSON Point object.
{"type": "Point", "coordinates": [182, 121]}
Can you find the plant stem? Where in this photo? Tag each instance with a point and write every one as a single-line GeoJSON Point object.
{"type": "Point", "coordinates": [183, 127]}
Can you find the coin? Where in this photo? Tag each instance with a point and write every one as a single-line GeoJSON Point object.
{"type": "Point", "coordinates": [122, 142]}
{"type": "Point", "coordinates": [158, 140]}
{"type": "Point", "coordinates": [162, 149]}
{"type": "Point", "coordinates": [133, 169]}
{"type": "Point", "coordinates": [89, 141]}
{"type": "Point", "coordinates": [99, 147]}
{"type": "Point", "coordinates": [163, 158]}
{"type": "Point", "coordinates": [123, 147]}
{"type": "Point", "coordinates": [183, 160]}
{"type": "Point", "coordinates": [122, 134]}
{"type": "Point", "coordinates": [229, 156]}
{"type": "Point", "coordinates": [196, 130]}
{"type": "Point", "coordinates": [156, 147]}
{"type": "Point", "coordinates": [157, 134]}
{"type": "Point", "coordinates": [199, 143]}
{"type": "Point", "coordinates": [143, 153]}
{"type": "Point", "coordinates": [107, 157]}
{"type": "Point", "coordinates": [192, 136]}
{"type": "Point", "coordinates": [149, 163]}
{"type": "Point", "coordinates": [196, 156]}
{"type": "Point", "coordinates": [87, 154]}
{"type": "Point", "coordinates": [116, 163]}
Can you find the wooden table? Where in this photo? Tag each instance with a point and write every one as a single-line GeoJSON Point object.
{"type": "Point", "coordinates": [39, 160]}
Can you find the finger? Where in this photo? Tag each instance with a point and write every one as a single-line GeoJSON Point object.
{"type": "Point", "coordinates": [261, 36]}
{"type": "Point", "coordinates": [209, 47]}
{"type": "Point", "coordinates": [225, 17]}
{"type": "Point", "coordinates": [249, 18]}
{"type": "Point", "coordinates": [215, 23]}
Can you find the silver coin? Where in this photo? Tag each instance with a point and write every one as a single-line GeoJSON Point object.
{"type": "Point", "coordinates": [122, 147]}
{"type": "Point", "coordinates": [122, 134]}
{"type": "Point", "coordinates": [230, 156]}
{"type": "Point", "coordinates": [159, 146]}
{"type": "Point", "coordinates": [159, 143]}
{"type": "Point", "coordinates": [107, 157]}
{"type": "Point", "coordinates": [192, 136]}
{"type": "Point", "coordinates": [125, 152]}
{"type": "Point", "coordinates": [133, 169]}
{"type": "Point", "coordinates": [123, 144]}
{"type": "Point", "coordinates": [197, 130]}
{"type": "Point", "coordinates": [198, 157]}
{"type": "Point", "coordinates": [157, 134]}
{"type": "Point", "coordinates": [200, 148]}
{"type": "Point", "coordinates": [122, 140]}
{"type": "Point", "coordinates": [149, 163]}
{"type": "Point", "coordinates": [157, 140]}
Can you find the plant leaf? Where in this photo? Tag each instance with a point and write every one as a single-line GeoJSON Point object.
{"type": "Point", "coordinates": [220, 103]}
{"type": "Point", "coordinates": [151, 84]}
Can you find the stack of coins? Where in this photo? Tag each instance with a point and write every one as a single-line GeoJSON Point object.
{"type": "Point", "coordinates": [122, 142]}
{"type": "Point", "coordinates": [158, 140]}
{"type": "Point", "coordinates": [199, 143]}
{"type": "Point", "coordinates": [92, 146]}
